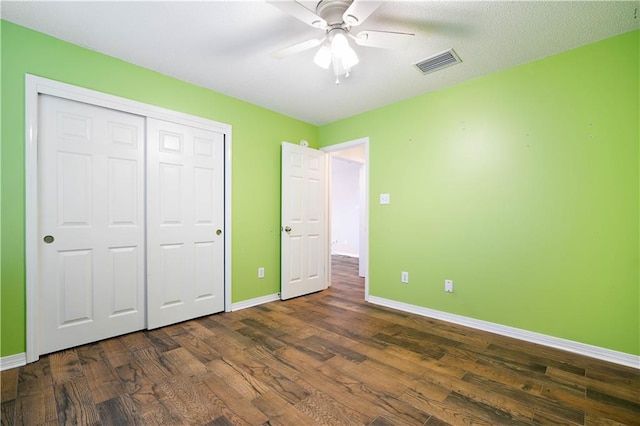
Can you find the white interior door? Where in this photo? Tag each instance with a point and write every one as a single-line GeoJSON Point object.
{"type": "Point", "coordinates": [185, 220]}
{"type": "Point", "coordinates": [304, 223]}
{"type": "Point", "coordinates": [91, 223]}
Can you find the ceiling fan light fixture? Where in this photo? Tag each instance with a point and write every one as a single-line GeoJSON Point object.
{"type": "Point", "coordinates": [343, 56]}
{"type": "Point", "coordinates": [339, 44]}
{"type": "Point", "coordinates": [347, 60]}
{"type": "Point", "coordinates": [337, 52]}
{"type": "Point", "coordinates": [323, 57]}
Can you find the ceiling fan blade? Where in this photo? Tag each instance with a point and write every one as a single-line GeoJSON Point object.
{"type": "Point", "coordinates": [383, 39]}
{"type": "Point", "coordinates": [300, 12]}
{"type": "Point", "coordinates": [297, 48]}
{"type": "Point", "coordinates": [359, 11]}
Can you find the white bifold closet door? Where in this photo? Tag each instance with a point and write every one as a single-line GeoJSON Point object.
{"type": "Point", "coordinates": [185, 219]}
{"type": "Point", "coordinates": [95, 181]}
{"type": "Point", "coordinates": [91, 223]}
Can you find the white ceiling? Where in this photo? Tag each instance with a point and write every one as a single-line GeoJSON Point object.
{"type": "Point", "coordinates": [225, 45]}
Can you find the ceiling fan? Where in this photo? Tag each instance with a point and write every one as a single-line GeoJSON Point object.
{"type": "Point", "coordinates": [336, 18]}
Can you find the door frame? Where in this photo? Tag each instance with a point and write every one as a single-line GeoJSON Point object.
{"type": "Point", "coordinates": [339, 147]}
{"type": "Point", "coordinates": [35, 86]}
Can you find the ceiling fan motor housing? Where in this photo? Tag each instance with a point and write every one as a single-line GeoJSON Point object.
{"type": "Point", "coordinates": [332, 11]}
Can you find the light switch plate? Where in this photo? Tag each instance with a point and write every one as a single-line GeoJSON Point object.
{"type": "Point", "coordinates": [385, 199]}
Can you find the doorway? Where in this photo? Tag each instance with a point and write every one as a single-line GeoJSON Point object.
{"type": "Point", "coordinates": [348, 209]}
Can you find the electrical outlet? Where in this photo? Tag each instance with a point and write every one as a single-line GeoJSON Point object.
{"type": "Point", "coordinates": [405, 277]}
{"type": "Point", "coordinates": [385, 199]}
{"type": "Point", "coordinates": [261, 272]}
{"type": "Point", "coordinates": [448, 286]}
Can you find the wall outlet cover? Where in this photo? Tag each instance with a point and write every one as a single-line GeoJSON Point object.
{"type": "Point", "coordinates": [448, 286]}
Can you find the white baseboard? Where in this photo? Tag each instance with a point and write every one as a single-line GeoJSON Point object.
{"type": "Point", "coordinates": [13, 361]}
{"type": "Point", "coordinates": [517, 333]}
{"type": "Point", "coordinates": [255, 302]}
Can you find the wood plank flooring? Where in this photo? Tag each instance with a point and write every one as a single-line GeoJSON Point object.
{"type": "Point", "coordinates": [324, 359]}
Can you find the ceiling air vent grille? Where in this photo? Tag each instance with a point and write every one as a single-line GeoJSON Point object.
{"type": "Point", "coordinates": [438, 62]}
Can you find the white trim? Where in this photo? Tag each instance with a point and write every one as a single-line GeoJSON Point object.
{"type": "Point", "coordinates": [35, 86]}
{"type": "Point", "coordinates": [32, 263]}
{"type": "Point", "coordinates": [328, 269]}
{"type": "Point", "coordinates": [339, 147]}
{"type": "Point", "coordinates": [255, 301]}
{"type": "Point", "coordinates": [227, 221]}
{"type": "Point", "coordinates": [529, 336]}
{"type": "Point", "coordinates": [13, 361]}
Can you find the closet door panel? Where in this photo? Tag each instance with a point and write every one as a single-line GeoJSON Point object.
{"type": "Point", "coordinates": [185, 224]}
{"type": "Point", "coordinates": [90, 224]}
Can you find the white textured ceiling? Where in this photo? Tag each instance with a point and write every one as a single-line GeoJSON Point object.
{"type": "Point", "coordinates": [225, 45]}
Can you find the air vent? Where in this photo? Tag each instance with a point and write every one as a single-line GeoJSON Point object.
{"type": "Point", "coordinates": [439, 61]}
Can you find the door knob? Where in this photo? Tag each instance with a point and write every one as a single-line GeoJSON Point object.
{"type": "Point", "coordinates": [287, 229]}
{"type": "Point", "coordinates": [48, 239]}
{"type": "Point", "coordinates": [219, 232]}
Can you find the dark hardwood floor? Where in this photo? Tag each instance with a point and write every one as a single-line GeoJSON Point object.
{"type": "Point", "coordinates": [324, 359]}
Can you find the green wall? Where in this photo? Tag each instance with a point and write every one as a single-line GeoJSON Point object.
{"type": "Point", "coordinates": [257, 134]}
{"type": "Point", "coordinates": [523, 188]}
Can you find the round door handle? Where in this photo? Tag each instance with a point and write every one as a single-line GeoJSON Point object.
{"type": "Point", "coordinates": [219, 232]}
{"type": "Point", "coordinates": [287, 229]}
{"type": "Point", "coordinates": [48, 239]}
